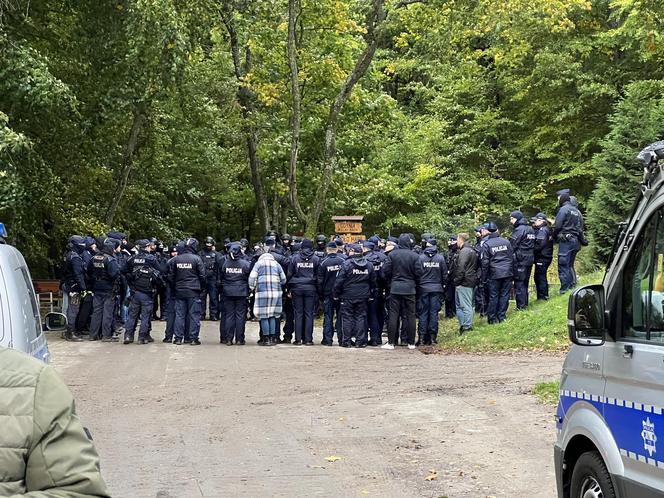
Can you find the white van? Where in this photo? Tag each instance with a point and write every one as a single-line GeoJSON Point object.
{"type": "Point", "coordinates": [610, 416]}
{"type": "Point", "coordinates": [20, 322]}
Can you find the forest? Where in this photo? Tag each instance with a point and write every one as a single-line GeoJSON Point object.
{"type": "Point", "coordinates": [233, 117]}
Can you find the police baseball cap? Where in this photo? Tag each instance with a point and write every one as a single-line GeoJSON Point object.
{"type": "Point", "coordinates": [331, 245]}
{"type": "Point", "coordinates": [491, 227]}
{"type": "Point", "coordinates": [540, 216]}
{"type": "Point", "coordinates": [516, 215]}
{"type": "Point", "coordinates": [369, 244]}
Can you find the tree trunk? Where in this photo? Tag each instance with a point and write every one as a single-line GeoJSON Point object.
{"type": "Point", "coordinates": [130, 150]}
{"type": "Point", "coordinates": [295, 112]}
{"type": "Point", "coordinates": [376, 17]}
{"type": "Point", "coordinates": [245, 98]}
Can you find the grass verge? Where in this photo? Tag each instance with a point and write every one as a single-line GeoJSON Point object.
{"type": "Point", "coordinates": [547, 392]}
{"type": "Point", "coordinates": [542, 327]}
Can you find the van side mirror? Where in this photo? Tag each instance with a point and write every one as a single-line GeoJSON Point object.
{"type": "Point", "coordinates": [55, 322]}
{"type": "Point", "coordinates": [585, 316]}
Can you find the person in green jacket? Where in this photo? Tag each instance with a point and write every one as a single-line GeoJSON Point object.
{"type": "Point", "coordinates": [44, 450]}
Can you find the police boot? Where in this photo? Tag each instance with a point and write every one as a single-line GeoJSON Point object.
{"type": "Point", "coordinates": [71, 336]}
{"type": "Point", "coordinates": [128, 339]}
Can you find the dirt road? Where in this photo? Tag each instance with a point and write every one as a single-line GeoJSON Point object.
{"type": "Point", "coordinates": [220, 421]}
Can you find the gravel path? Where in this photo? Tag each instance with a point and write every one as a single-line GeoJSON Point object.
{"type": "Point", "coordinates": [219, 421]}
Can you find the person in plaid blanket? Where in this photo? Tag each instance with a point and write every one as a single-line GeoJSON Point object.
{"type": "Point", "coordinates": [267, 279]}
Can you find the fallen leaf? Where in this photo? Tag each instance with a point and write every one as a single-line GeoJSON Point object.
{"type": "Point", "coordinates": [333, 458]}
{"type": "Point", "coordinates": [433, 475]}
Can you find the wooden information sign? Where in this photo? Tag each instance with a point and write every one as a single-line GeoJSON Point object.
{"type": "Point", "coordinates": [349, 228]}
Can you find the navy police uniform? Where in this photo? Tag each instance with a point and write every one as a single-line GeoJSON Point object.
{"type": "Point", "coordinates": [523, 247]}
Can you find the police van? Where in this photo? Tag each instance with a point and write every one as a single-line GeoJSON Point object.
{"type": "Point", "coordinates": [20, 321]}
{"type": "Point", "coordinates": [610, 418]}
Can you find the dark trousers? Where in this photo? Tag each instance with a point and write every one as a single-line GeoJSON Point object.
{"type": "Point", "coordinates": [84, 314]}
{"type": "Point", "coordinates": [187, 309]}
{"type": "Point", "coordinates": [210, 291]}
{"type": "Point", "coordinates": [376, 319]}
{"type": "Point", "coordinates": [567, 251]}
{"type": "Point", "coordinates": [353, 321]}
{"type": "Point", "coordinates": [73, 310]}
{"type": "Point", "coordinates": [103, 306]}
{"type": "Point", "coordinates": [541, 279]}
{"type": "Point", "coordinates": [430, 304]}
{"type": "Point", "coordinates": [140, 306]}
{"type": "Point", "coordinates": [170, 314]}
{"type": "Point", "coordinates": [402, 306]}
{"type": "Point", "coordinates": [289, 318]}
{"type": "Point", "coordinates": [235, 318]}
{"type": "Point", "coordinates": [499, 298]}
{"type": "Point", "coordinates": [450, 301]}
{"type": "Point", "coordinates": [160, 303]}
{"type": "Point", "coordinates": [521, 281]}
{"type": "Point", "coordinates": [331, 322]}
{"type": "Point", "coordinates": [304, 307]}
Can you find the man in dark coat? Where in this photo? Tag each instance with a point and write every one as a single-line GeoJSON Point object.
{"type": "Point", "coordinates": [523, 247]}
{"type": "Point", "coordinates": [431, 289]}
{"type": "Point", "coordinates": [302, 273]}
{"type": "Point", "coordinates": [104, 273]}
{"type": "Point", "coordinates": [75, 284]}
{"type": "Point", "coordinates": [465, 275]}
{"type": "Point", "coordinates": [498, 271]}
{"type": "Point", "coordinates": [327, 276]}
{"type": "Point", "coordinates": [234, 283]}
{"type": "Point", "coordinates": [353, 288]}
{"type": "Point", "coordinates": [403, 271]}
{"type": "Point", "coordinates": [568, 232]}
{"type": "Point", "coordinates": [450, 297]}
{"type": "Point", "coordinates": [376, 309]}
{"type": "Point", "coordinates": [543, 255]}
{"type": "Point", "coordinates": [186, 275]}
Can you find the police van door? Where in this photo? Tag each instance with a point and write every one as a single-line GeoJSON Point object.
{"type": "Point", "coordinates": [634, 363]}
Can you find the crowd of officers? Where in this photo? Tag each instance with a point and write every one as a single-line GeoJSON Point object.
{"type": "Point", "coordinates": [110, 285]}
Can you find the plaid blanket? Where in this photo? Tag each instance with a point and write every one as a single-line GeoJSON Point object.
{"type": "Point", "coordinates": [267, 278]}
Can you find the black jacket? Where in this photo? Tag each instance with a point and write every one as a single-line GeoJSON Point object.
{"type": "Point", "coordinates": [74, 274]}
{"type": "Point", "coordinates": [104, 271]}
{"type": "Point", "coordinates": [210, 261]}
{"type": "Point", "coordinates": [377, 259]}
{"type": "Point", "coordinates": [186, 274]}
{"type": "Point", "coordinates": [543, 244]}
{"type": "Point", "coordinates": [523, 243]}
{"type": "Point", "coordinates": [356, 280]}
{"type": "Point", "coordinates": [142, 272]}
{"type": "Point", "coordinates": [466, 267]}
{"type": "Point", "coordinates": [327, 274]}
{"type": "Point", "coordinates": [569, 222]}
{"type": "Point", "coordinates": [434, 271]}
{"type": "Point", "coordinates": [303, 271]}
{"type": "Point", "coordinates": [497, 258]}
{"type": "Point", "coordinates": [402, 268]}
{"type": "Point", "coordinates": [234, 277]}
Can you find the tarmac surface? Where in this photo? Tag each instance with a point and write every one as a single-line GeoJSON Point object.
{"type": "Point", "coordinates": [298, 421]}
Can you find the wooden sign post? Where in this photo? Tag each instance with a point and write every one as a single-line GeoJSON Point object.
{"type": "Point", "coordinates": [349, 228]}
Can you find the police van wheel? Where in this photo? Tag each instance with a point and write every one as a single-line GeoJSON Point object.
{"type": "Point", "coordinates": [590, 478]}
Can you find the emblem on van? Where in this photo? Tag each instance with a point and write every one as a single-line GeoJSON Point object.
{"type": "Point", "coordinates": [649, 437]}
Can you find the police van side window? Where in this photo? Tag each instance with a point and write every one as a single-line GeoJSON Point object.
{"type": "Point", "coordinates": [643, 285]}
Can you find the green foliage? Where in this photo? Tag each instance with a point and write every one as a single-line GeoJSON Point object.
{"type": "Point", "coordinates": [547, 392]}
{"type": "Point", "coordinates": [637, 121]}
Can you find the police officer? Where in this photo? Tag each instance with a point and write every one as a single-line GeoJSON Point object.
{"type": "Point", "coordinates": [210, 260]}
{"type": "Point", "coordinates": [234, 283]}
{"type": "Point", "coordinates": [497, 263]}
{"type": "Point", "coordinates": [169, 308]}
{"type": "Point", "coordinates": [121, 291]}
{"type": "Point", "coordinates": [159, 308]}
{"type": "Point", "coordinates": [321, 242]}
{"type": "Point", "coordinates": [302, 273]}
{"type": "Point", "coordinates": [187, 276]}
{"type": "Point", "coordinates": [523, 247]}
{"type": "Point", "coordinates": [74, 284]}
{"type": "Point", "coordinates": [543, 254]}
{"type": "Point", "coordinates": [450, 295]}
{"type": "Point", "coordinates": [142, 274]}
{"type": "Point", "coordinates": [403, 271]}
{"type": "Point", "coordinates": [482, 290]}
{"type": "Point", "coordinates": [85, 311]}
{"type": "Point", "coordinates": [354, 287]}
{"type": "Point", "coordinates": [104, 273]}
{"type": "Point", "coordinates": [430, 290]}
{"type": "Point", "coordinates": [326, 277]}
{"type": "Point", "coordinates": [286, 243]}
{"type": "Point", "coordinates": [567, 232]}
{"type": "Point", "coordinates": [376, 307]}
